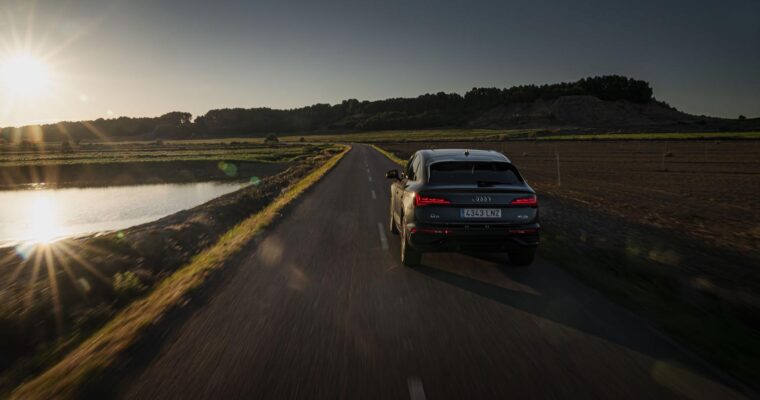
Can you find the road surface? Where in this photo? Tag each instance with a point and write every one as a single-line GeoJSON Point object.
{"type": "Point", "coordinates": [322, 308]}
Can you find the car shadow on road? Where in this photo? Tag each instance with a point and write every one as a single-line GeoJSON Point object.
{"type": "Point", "coordinates": [557, 302]}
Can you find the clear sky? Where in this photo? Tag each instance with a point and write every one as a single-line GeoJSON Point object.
{"type": "Point", "coordinates": [86, 59]}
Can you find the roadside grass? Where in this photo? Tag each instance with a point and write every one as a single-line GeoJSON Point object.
{"type": "Point", "coordinates": [101, 154]}
{"type": "Point", "coordinates": [390, 155]}
{"type": "Point", "coordinates": [96, 355]}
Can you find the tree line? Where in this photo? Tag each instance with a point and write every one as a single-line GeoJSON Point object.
{"type": "Point", "coordinates": [425, 111]}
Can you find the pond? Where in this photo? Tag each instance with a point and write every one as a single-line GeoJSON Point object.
{"type": "Point", "coordinates": [48, 214]}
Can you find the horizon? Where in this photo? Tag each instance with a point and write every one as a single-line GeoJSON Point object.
{"type": "Point", "coordinates": [87, 60]}
{"type": "Point", "coordinates": [193, 115]}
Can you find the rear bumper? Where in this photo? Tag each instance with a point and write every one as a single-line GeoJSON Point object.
{"type": "Point", "coordinates": [473, 238]}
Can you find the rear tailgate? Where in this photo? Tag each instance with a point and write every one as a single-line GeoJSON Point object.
{"type": "Point", "coordinates": [504, 205]}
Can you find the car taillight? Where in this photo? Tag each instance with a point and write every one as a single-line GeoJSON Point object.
{"type": "Point", "coordinates": [528, 201]}
{"type": "Point", "coordinates": [422, 201]}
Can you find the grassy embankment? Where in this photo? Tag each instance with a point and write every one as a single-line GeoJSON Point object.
{"type": "Point", "coordinates": [639, 273]}
{"type": "Point", "coordinates": [98, 354]}
{"type": "Point", "coordinates": [136, 163]}
{"type": "Point", "coordinates": [102, 153]}
{"type": "Point", "coordinates": [500, 135]}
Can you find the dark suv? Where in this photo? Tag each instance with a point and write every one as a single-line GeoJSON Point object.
{"type": "Point", "coordinates": [463, 200]}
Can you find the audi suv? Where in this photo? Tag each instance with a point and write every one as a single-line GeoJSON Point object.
{"type": "Point", "coordinates": [463, 200]}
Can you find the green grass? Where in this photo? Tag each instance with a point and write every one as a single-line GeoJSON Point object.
{"type": "Point", "coordinates": [132, 154]}
{"type": "Point", "coordinates": [442, 135]}
{"type": "Point", "coordinates": [95, 356]}
{"type": "Point", "coordinates": [415, 135]}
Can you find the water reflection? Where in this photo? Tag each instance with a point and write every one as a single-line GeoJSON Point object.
{"type": "Point", "coordinates": [42, 216]}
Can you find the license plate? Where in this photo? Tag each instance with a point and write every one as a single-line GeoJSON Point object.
{"type": "Point", "coordinates": [480, 213]}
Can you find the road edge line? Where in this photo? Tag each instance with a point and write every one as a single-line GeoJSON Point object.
{"type": "Point", "coordinates": [388, 155]}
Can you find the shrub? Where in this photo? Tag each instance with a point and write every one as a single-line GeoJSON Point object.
{"type": "Point", "coordinates": [127, 284]}
{"type": "Point", "coordinates": [26, 145]}
{"type": "Point", "coordinates": [742, 117]}
{"type": "Point", "coordinates": [272, 138]}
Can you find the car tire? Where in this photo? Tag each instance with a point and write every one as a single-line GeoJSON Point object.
{"type": "Point", "coordinates": [523, 257]}
{"type": "Point", "coordinates": [409, 256]}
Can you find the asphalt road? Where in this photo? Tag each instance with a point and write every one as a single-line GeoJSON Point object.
{"type": "Point", "coordinates": [322, 308]}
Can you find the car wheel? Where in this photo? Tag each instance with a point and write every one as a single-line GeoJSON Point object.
{"type": "Point", "coordinates": [522, 257]}
{"type": "Point", "coordinates": [409, 256]}
{"type": "Point", "coordinates": [392, 224]}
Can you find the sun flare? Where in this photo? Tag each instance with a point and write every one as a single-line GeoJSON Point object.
{"type": "Point", "coordinates": [25, 75]}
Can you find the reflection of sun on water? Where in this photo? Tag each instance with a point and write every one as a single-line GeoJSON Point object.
{"type": "Point", "coordinates": [43, 219]}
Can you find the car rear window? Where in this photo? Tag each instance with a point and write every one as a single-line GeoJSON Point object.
{"type": "Point", "coordinates": [482, 173]}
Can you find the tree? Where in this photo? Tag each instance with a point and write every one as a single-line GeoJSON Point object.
{"type": "Point", "coordinates": [742, 117]}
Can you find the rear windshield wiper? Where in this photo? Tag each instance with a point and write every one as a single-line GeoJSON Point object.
{"type": "Point", "coordinates": [491, 183]}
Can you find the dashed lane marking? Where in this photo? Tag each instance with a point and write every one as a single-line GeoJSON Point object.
{"type": "Point", "coordinates": [383, 238]}
{"type": "Point", "coordinates": [416, 391]}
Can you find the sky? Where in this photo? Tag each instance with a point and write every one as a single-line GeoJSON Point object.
{"type": "Point", "coordinates": [110, 58]}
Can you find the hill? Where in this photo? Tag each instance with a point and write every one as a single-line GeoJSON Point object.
{"type": "Point", "coordinates": [606, 103]}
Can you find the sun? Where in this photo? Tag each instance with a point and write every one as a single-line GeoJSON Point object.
{"type": "Point", "coordinates": [25, 75]}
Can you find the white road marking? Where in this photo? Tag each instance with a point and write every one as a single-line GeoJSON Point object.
{"type": "Point", "coordinates": [368, 170]}
{"type": "Point", "coordinates": [370, 178]}
{"type": "Point", "coordinates": [383, 238]}
{"type": "Point", "coordinates": [416, 391]}
{"type": "Point", "coordinates": [373, 195]}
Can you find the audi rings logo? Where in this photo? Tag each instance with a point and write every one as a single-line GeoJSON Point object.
{"type": "Point", "coordinates": [481, 199]}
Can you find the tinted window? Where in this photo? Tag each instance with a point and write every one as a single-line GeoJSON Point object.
{"type": "Point", "coordinates": [476, 173]}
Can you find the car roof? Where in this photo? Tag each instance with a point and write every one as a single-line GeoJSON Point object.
{"type": "Point", "coordinates": [438, 155]}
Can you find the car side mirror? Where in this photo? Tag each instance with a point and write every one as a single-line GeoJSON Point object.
{"type": "Point", "coordinates": [392, 174]}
